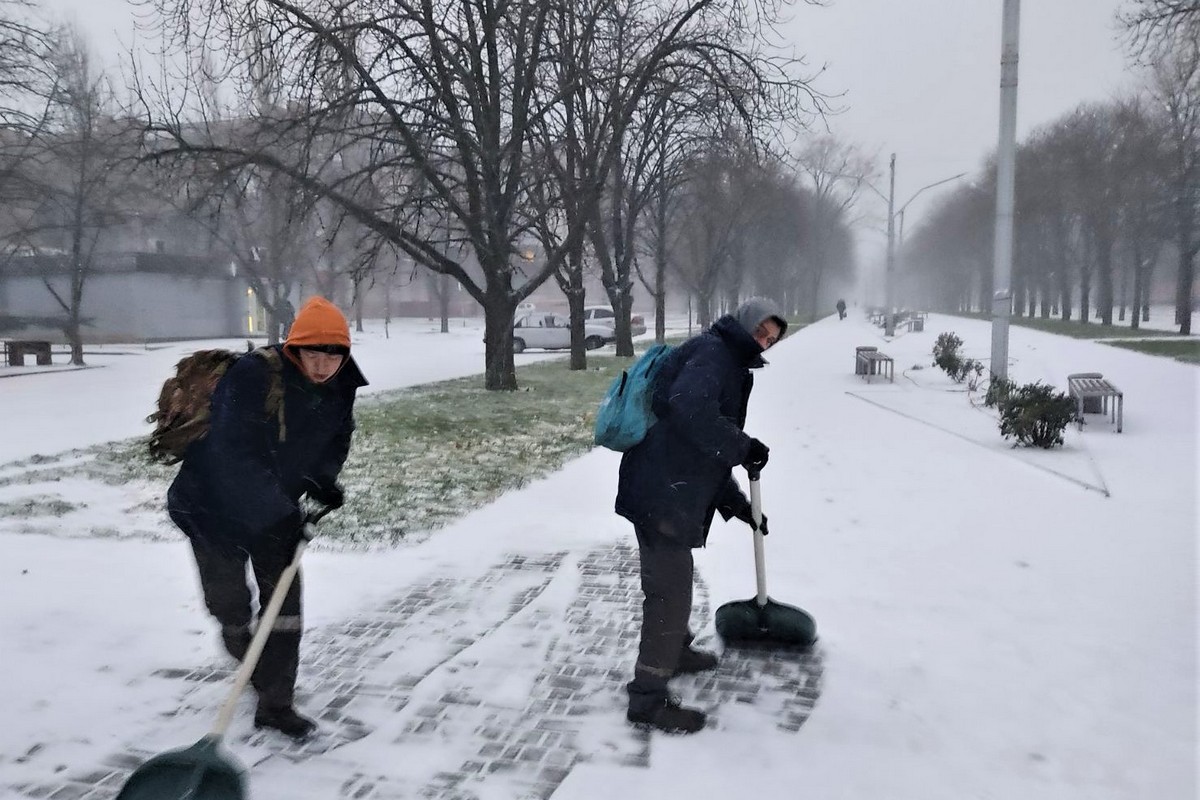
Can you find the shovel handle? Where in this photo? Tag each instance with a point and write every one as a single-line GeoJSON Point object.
{"type": "Point", "coordinates": [760, 563]}
{"type": "Point", "coordinates": [266, 622]}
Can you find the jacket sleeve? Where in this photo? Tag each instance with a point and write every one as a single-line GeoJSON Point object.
{"type": "Point", "coordinates": [694, 402]}
{"type": "Point", "coordinates": [330, 466]}
{"type": "Point", "coordinates": [732, 502]}
{"type": "Point", "coordinates": [243, 438]}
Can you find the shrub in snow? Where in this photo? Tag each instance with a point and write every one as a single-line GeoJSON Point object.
{"type": "Point", "coordinates": [969, 370]}
{"type": "Point", "coordinates": [945, 352]}
{"type": "Point", "coordinates": [1035, 414]}
{"type": "Point", "coordinates": [945, 355]}
{"type": "Point", "coordinates": [998, 390]}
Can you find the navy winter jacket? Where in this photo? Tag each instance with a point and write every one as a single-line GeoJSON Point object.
{"type": "Point", "coordinates": [241, 481]}
{"type": "Point", "coordinates": [673, 482]}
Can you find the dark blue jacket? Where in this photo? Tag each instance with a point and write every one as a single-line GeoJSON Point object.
{"type": "Point", "coordinates": [673, 482]}
{"type": "Point", "coordinates": [241, 480]}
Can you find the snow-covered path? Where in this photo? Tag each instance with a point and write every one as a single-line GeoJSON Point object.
{"type": "Point", "coordinates": [994, 623]}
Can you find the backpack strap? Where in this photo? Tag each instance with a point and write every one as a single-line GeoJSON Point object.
{"type": "Point", "coordinates": [274, 386]}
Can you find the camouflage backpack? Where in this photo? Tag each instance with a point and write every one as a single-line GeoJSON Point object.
{"type": "Point", "coordinates": [185, 400]}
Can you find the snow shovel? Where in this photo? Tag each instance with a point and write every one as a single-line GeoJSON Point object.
{"type": "Point", "coordinates": [761, 620]}
{"type": "Point", "coordinates": [203, 771]}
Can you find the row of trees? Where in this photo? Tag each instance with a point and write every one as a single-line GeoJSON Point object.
{"type": "Point", "coordinates": [453, 135]}
{"type": "Point", "coordinates": [1105, 195]}
{"type": "Point", "coordinates": [631, 138]}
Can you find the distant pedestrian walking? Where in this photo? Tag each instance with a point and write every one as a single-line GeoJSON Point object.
{"type": "Point", "coordinates": [841, 309]}
{"type": "Point", "coordinates": [675, 480]}
{"type": "Point", "coordinates": [237, 494]}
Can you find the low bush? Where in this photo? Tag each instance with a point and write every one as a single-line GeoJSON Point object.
{"type": "Point", "coordinates": [1035, 414]}
{"type": "Point", "coordinates": [945, 355]}
{"type": "Point", "coordinates": [969, 370]}
{"type": "Point", "coordinates": [998, 390]}
{"type": "Point", "coordinates": [945, 352]}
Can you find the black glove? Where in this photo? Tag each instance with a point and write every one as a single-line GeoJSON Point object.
{"type": "Point", "coordinates": [747, 516]}
{"type": "Point", "coordinates": [756, 456]}
{"type": "Point", "coordinates": [329, 495]}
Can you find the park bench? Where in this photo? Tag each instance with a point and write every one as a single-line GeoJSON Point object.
{"type": "Point", "coordinates": [1093, 394]}
{"type": "Point", "coordinates": [15, 351]}
{"type": "Point", "coordinates": [868, 361]}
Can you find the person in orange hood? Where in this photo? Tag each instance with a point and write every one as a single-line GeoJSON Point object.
{"type": "Point", "coordinates": [237, 495]}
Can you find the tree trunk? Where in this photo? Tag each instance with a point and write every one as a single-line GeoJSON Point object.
{"type": "Point", "coordinates": [1139, 271]}
{"type": "Point", "coordinates": [358, 303]}
{"type": "Point", "coordinates": [660, 301]}
{"type": "Point", "coordinates": [704, 301]}
{"type": "Point", "coordinates": [576, 299]}
{"type": "Point", "coordinates": [1104, 264]}
{"type": "Point", "coordinates": [74, 337]}
{"type": "Point", "coordinates": [443, 295]}
{"type": "Point", "coordinates": [499, 369]}
{"type": "Point", "coordinates": [1183, 296]}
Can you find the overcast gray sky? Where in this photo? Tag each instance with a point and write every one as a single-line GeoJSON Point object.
{"type": "Point", "coordinates": [920, 77]}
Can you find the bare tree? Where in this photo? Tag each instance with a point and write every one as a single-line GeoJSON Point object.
{"type": "Point", "coordinates": [436, 118]}
{"type": "Point", "coordinates": [712, 218]}
{"type": "Point", "coordinates": [835, 172]}
{"type": "Point", "coordinates": [1155, 25]}
{"type": "Point", "coordinates": [1143, 169]}
{"type": "Point", "coordinates": [76, 180]}
{"type": "Point", "coordinates": [1176, 87]}
{"type": "Point", "coordinates": [26, 84]}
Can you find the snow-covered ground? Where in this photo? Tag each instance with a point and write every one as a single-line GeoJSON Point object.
{"type": "Point", "coordinates": [994, 623]}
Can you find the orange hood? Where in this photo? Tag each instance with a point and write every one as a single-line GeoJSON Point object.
{"type": "Point", "coordinates": [319, 322]}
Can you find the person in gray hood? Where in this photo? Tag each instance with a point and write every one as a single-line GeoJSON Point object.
{"type": "Point", "coordinates": [676, 479]}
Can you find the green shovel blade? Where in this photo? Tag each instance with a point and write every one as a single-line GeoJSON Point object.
{"type": "Point", "coordinates": [199, 772]}
{"type": "Point", "coordinates": [747, 621]}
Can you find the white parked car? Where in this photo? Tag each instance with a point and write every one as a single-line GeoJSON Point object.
{"type": "Point", "coordinates": [603, 315]}
{"type": "Point", "coordinates": [553, 332]}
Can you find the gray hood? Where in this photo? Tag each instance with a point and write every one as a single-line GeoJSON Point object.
{"type": "Point", "coordinates": [752, 312]}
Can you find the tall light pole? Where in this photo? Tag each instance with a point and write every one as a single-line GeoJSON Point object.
{"type": "Point", "coordinates": [889, 324]}
{"type": "Point", "coordinates": [1005, 181]}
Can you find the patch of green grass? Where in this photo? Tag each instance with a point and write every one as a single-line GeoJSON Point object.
{"type": "Point", "coordinates": [425, 455]}
{"type": "Point", "coordinates": [1073, 328]}
{"type": "Point", "coordinates": [421, 456]}
{"type": "Point", "coordinates": [1187, 351]}
{"type": "Point", "coordinates": [41, 505]}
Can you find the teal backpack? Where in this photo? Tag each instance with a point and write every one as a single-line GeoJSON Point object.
{"type": "Point", "coordinates": [625, 415]}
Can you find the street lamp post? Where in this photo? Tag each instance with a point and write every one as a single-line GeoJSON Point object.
{"type": "Point", "coordinates": [1005, 183]}
{"type": "Point", "coordinates": [889, 325]}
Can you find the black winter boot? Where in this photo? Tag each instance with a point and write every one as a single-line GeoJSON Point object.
{"type": "Point", "coordinates": [691, 661]}
{"type": "Point", "coordinates": [285, 720]}
{"type": "Point", "coordinates": [668, 717]}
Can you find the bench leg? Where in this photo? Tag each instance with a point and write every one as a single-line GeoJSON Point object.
{"type": "Point", "coordinates": [1120, 411]}
{"type": "Point", "coordinates": [1079, 411]}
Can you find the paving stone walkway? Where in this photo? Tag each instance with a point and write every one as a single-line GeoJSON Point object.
{"type": "Point", "coordinates": [522, 669]}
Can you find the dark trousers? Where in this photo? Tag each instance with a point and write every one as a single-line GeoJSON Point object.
{"type": "Point", "coordinates": [666, 572]}
{"type": "Point", "coordinates": [227, 595]}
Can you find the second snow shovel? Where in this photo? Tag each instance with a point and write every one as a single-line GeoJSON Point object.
{"type": "Point", "coordinates": [760, 619]}
{"type": "Point", "coordinates": [203, 771]}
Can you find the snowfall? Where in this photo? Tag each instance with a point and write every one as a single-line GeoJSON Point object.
{"type": "Point", "coordinates": [994, 622]}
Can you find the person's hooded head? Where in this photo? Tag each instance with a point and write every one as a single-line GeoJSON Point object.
{"type": "Point", "coordinates": [763, 319]}
{"type": "Point", "coordinates": [319, 340]}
